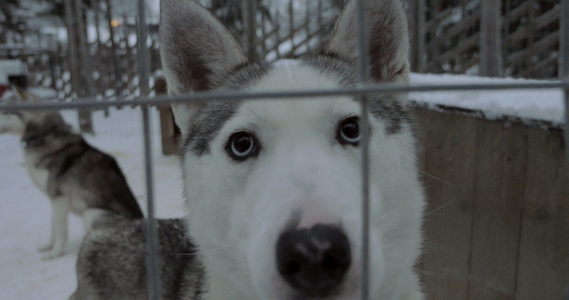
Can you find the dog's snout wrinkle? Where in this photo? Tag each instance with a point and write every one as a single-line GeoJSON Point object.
{"type": "Point", "coordinates": [314, 260]}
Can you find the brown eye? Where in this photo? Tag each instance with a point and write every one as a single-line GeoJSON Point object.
{"type": "Point", "coordinates": [349, 131]}
{"type": "Point", "coordinates": [242, 145]}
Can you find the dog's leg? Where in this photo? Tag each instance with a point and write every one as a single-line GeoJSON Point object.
{"type": "Point", "coordinates": [59, 212]}
{"type": "Point", "coordinates": [47, 246]}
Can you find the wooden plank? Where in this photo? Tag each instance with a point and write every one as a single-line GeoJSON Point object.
{"type": "Point", "coordinates": [549, 62]}
{"type": "Point", "coordinates": [498, 192]}
{"type": "Point", "coordinates": [517, 12]}
{"type": "Point", "coordinates": [440, 59]}
{"type": "Point", "coordinates": [543, 271]}
{"type": "Point", "coordinates": [548, 41]}
{"type": "Point", "coordinates": [460, 28]}
{"type": "Point", "coordinates": [543, 20]}
{"type": "Point", "coordinates": [448, 175]}
{"type": "Point", "coordinates": [434, 22]}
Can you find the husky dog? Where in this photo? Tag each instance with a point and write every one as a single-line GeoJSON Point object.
{"type": "Point", "coordinates": [273, 187]}
{"type": "Point", "coordinates": [124, 277]}
{"type": "Point", "coordinates": [75, 176]}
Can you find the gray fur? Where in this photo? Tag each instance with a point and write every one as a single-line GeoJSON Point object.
{"type": "Point", "coordinates": [112, 263]}
{"type": "Point", "coordinates": [387, 107]}
{"type": "Point", "coordinates": [75, 167]}
{"type": "Point", "coordinates": [210, 117]}
{"type": "Point", "coordinates": [388, 39]}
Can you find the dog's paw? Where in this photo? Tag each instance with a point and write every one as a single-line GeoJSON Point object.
{"type": "Point", "coordinates": [45, 247]}
{"type": "Point", "coordinates": [52, 254]}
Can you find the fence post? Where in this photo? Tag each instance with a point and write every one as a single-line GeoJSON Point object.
{"type": "Point", "coordinates": [71, 43]}
{"type": "Point", "coordinates": [86, 71]}
{"type": "Point", "coordinates": [118, 86]}
{"type": "Point", "coordinates": [564, 65]}
{"type": "Point", "coordinates": [72, 17]}
{"type": "Point", "coordinates": [490, 39]}
{"type": "Point", "coordinates": [249, 9]}
{"type": "Point", "coordinates": [418, 35]}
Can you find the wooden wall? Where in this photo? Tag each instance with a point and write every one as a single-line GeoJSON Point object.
{"type": "Point", "coordinates": [497, 222]}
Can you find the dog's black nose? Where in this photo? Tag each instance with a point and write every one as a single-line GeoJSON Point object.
{"type": "Point", "coordinates": [314, 261]}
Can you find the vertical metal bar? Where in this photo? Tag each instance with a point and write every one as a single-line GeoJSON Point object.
{"type": "Point", "coordinates": [143, 69]}
{"type": "Point", "coordinates": [152, 260]}
{"type": "Point", "coordinates": [564, 65]}
{"type": "Point", "coordinates": [363, 78]}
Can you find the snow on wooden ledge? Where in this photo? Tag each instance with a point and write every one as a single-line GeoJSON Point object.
{"type": "Point", "coordinates": [543, 107]}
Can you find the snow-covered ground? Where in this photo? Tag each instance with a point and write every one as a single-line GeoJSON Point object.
{"type": "Point", "coordinates": [25, 211]}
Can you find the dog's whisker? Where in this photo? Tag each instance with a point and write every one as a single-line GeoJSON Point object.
{"type": "Point", "coordinates": [441, 180]}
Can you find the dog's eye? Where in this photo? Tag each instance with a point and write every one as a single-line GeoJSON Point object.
{"type": "Point", "coordinates": [242, 145]}
{"type": "Point", "coordinates": [349, 131]}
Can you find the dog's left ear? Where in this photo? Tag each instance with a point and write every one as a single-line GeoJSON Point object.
{"type": "Point", "coordinates": [388, 39]}
{"type": "Point", "coordinates": [197, 52]}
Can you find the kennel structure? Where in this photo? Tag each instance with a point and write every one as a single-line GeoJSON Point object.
{"type": "Point", "coordinates": [498, 190]}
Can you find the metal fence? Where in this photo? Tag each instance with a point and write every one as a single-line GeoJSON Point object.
{"type": "Point", "coordinates": [360, 91]}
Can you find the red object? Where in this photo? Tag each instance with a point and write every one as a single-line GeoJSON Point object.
{"type": "Point", "coordinates": [3, 88]}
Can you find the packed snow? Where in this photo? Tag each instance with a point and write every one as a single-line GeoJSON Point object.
{"type": "Point", "coordinates": [541, 105]}
{"type": "Point", "coordinates": [25, 212]}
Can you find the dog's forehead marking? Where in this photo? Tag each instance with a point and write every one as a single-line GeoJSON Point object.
{"type": "Point", "coordinates": [293, 75]}
{"type": "Point", "coordinates": [212, 116]}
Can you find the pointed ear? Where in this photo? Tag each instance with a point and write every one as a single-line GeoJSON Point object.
{"type": "Point", "coordinates": [196, 50]}
{"type": "Point", "coordinates": [388, 39]}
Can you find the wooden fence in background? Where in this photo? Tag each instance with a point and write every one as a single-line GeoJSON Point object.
{"type": "Point", "coordinates": [497, 221]}
{"type": "Point", "coordinates": [449, 36]}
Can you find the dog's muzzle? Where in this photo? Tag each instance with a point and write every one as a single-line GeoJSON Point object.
{"type": "Point", "coordinates": [314, 260]}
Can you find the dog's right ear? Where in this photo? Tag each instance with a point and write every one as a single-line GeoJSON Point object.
{"type": "Point", "coordinates": [196, 50]}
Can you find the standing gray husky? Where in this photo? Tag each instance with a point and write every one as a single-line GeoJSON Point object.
{"type": "Point", "coordinates": [74, 175]}
{"type": "Point", "coordinates": [273, 187]}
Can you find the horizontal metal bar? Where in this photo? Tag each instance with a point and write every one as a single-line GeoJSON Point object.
{"type": "Point", "coordinates": [94, 103]}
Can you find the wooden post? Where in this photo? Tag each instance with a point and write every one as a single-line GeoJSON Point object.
{"type": "Point", "coordinates": [277, 35]}
{"type": "Point", "coordinates": [564, 65]}
{"type": "Point", "coordinates": [418, 36]}
{"type": "Point", "coordinates": [490, 39]}
{"type": "Point", "coordinates": [320, 25]}
{"type": "Point", "coordinates": [249, 9]}
{"type": "Point", "coordinates": [72, 43]}
{"type": "Point", "coordinates": [85, 70]}
{"type": "Point", "coordinates": [170, 133]}
{"type": "Point", "coordinates": [291, 25]}
{"type": "Point", "coordinates": [116, 66]}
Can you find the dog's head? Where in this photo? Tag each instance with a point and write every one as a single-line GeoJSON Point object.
{"type": "Point", "coordinates": [14, 122]}
{"type": "Point", "coordinates": [273, 187]}
{"type": "Point", "coordinates": [30, 123]}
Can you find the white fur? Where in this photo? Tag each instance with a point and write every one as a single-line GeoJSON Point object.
{"type": "Point", "coordinates": [10, 123]}
{"type": "Point", "coordinates": [237, 210]}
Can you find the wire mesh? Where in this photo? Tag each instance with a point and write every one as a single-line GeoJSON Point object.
{"type": "Point", "coordinates": [360, 91]}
